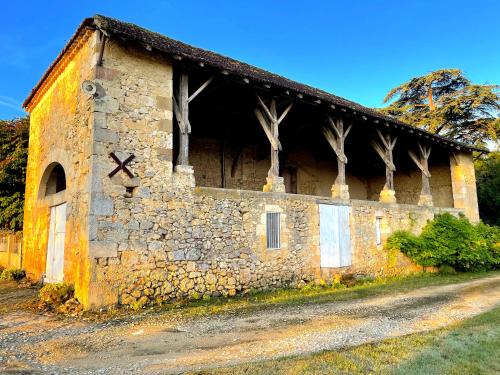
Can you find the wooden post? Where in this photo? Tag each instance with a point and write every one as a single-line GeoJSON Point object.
{"type": "Point", "coordinates": [337, 141]}
{"type": "Point", "coordinates": [184, 112]}
{"type": "Point", "coordinates": [181, 100]}
{"type": "Point", "coordinates": [269, 120]}
{"type": "Point", "coordinates": [422, 163]}
{"type": "Point", "coordinates": [384, 150]}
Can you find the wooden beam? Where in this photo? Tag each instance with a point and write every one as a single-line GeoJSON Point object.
{"type": "Point", "coordinates": [200, 89]}
{"type": "Point", "coordinates": [264, 107]}
{"type": "Point", "coordinates": [101, 49]}
{"type": "Point", "coordinates": [337, 142]}
{"type": "Point", "coordinates": [384, 150]}
{"type": "Point", "coordinates": [270, 121]}
{"type": "Point", "coordinates": [266, 127]}
{"type": "Point", "coordinates": [285, 112]}
{"type": "Point", "coordinates": [183, 106]}
{"type": "Point", "coordinates": [422, 163]}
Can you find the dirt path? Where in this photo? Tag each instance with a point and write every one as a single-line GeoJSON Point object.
{"type": "Point", "coordinates": [158, 343]}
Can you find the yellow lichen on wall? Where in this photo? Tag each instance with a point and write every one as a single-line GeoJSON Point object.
{"type": "Point", "coordinates": [61, 132]}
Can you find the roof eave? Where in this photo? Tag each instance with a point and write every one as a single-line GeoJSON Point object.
{"type": "Point", "coordinates": [101, 23]}
{"type": "Point", "coordinates": [87, 22]}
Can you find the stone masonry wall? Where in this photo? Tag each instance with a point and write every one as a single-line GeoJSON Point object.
{"type": "Point", "coordinates": [60, 132]}
{"type": "Point", "coordinates": [133, 116]}
{"type": "Point", "coordinates": [212, 242]}
{"type": "Point", "coordinates": [157, 237]}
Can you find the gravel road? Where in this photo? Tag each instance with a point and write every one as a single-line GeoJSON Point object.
{"type": "Point", "coordinates": [162, 343]}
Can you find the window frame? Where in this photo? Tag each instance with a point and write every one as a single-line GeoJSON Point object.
{"type": "Point", "coordinates": [273, 235]}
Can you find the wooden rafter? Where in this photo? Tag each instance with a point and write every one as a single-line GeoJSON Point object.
{"type": "Point", "coordinates": [268, 118]}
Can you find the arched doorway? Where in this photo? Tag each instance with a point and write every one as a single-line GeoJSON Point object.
{"type": "Point", "coordinates": [52, 189]}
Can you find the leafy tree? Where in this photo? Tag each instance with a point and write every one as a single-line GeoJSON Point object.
{"type": "Point", "coordinates": [488, 187]}
{"type": "Point", "coordinates": [14, 136]}
{"type": "Point", "coordinates": [445, 102]}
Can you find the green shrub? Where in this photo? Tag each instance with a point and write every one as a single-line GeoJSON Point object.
{"type": "Point", "coordinates": [57, 293]}
{"type": "Point", "coordinates": [453, 242]}
{"type": "Point", "coordinates": [446, 269]}
{"type": "Point", "coordinates": [12, 274]}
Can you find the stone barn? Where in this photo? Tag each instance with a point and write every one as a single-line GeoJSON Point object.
{"type": "Point", "coordinates": [160, 171]}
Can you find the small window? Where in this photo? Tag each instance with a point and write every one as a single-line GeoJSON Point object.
{"type": "Point", "coordinates": [273, 230]}
{"type": "Point", "coordinates": [378, 233]}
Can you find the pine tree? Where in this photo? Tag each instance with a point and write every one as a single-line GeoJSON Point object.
{"type": "Point", "coordinates": [445, 102]}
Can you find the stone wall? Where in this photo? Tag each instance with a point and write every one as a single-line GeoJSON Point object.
{"type": "Point", "coordinates": [61, 132]}
{"type": "Point", "coordinates": [132, 117]}
{"type": "Point", "coordinates": [463, 181]}
{"type": "Point", "coordinates": [213, 241]}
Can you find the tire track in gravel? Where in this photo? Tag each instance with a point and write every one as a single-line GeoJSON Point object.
{"type": "Point", "coordinates": [164, 344]}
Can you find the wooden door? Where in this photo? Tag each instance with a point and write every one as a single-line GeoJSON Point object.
{"type": "Point", "coordinates": [335, 236]}
{"type": "Point", "coordinates": [54, 271]}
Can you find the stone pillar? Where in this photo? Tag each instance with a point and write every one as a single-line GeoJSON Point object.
{"type": "Point", "coordinates": [463, 182]}
{"type": "Point", "coordinates": [387, 195]}
{"type": "Point", "coordinates": [425, 200]}
{"type": "Point", "coordinates": [274, 184]}
{"type": "Point", "coordinates": [184, 176]}
{"type": "Point", "coordinates": [340, 191]}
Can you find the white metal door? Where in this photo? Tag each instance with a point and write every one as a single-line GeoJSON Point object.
{"type": "Point", "coordinates": [334, 236]}
{"type": "Point", "coordinates": [55, 248]}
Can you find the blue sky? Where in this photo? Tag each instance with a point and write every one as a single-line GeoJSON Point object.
{"type": "Point", "coordinates": [354, 49]}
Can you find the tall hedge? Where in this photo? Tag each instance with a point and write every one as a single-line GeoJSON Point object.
{"type": "Point", "coordinates": [451, 241]}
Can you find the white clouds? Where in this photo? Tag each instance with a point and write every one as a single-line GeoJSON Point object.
{"type": "Point", "coordinates": [11, 103]}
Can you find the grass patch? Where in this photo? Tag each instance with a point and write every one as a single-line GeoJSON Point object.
{"type": "Point", "coordinates": [316, 294]}
{"type": "Point", "coordinates": [472, 347]}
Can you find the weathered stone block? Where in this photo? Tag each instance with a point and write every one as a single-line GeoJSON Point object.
{"type": "Point", "coordinates": [165, 126]}
{"type": "Point", "coordinates": [105, 135]}
{"type": "Point", "coordinates": [164, 102]}
{"type": "Point", "coordinates": [106, 74]}
{"type": "Point", "coordinates": [106, 105]}
{"type": "Point", "coordinates": [103, 249]}
{"type": "Point", "coordinates": [101, 206]}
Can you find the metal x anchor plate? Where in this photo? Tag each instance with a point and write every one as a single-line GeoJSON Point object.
{"type": "Point", "coordinates": [122, 165]}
